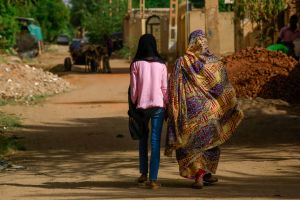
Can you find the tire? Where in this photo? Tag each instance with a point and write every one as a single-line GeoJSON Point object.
{"type": "Point", "coordinates": [68, 64]}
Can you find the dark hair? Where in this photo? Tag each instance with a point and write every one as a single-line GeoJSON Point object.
{"type": "Point", "coordinates": [294, 19]}
{"type": "Point", "coordinates": [147, 49]}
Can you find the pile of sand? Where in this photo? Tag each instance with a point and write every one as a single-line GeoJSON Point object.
{"type": "Point", "coordinates": [257, 72]}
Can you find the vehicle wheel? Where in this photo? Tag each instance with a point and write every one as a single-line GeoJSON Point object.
{"type": "Point", "coordinates": [68, 64]}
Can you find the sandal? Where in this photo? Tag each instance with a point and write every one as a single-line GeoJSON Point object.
{"type": "Point", "coordinates": [142, 179]}
{"type": "Point", "coordinates": [198, 184]}
{"type": "Point", "coordinates": [209, 178]}
{"type": "Point", "coordinates": [154, 185]}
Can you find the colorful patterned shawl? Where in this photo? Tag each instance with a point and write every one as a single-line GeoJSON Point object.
{"type": "Point", "coordinates": [203, 109]}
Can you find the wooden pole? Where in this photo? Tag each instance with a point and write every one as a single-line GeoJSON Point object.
{"type": "Point", "coordinates": [129, 4]}
{"type": "Point", "coordinates": [142, 8]}
{"type": "Point", "coordinates": [212, 25]}
{"type": "Point", "coordinates": [173, 25]}
{"type": "Point", "coordinates": [142, 13]}
{"type": "Point", "coordinates": [110, 10]}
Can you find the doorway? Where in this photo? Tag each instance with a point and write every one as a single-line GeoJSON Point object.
{"type": "Point", "coordinates": [153, 27]}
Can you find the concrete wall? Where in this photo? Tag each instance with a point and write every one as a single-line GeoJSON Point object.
{"type": "Point", "coordinates": [133, 28]}
{"type": "Point", "coordinates": [233, 34]}
{"type": "Point", "coordinates": [164, 34]}
{"type": "Point", "coordinates": [132, 31]}
{"type": "Point", "coordinates": [226, 32]}
{"type": "Point", "coordinates": [197, 20]}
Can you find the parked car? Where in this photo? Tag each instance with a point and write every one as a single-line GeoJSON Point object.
{"type": "Point", "coordinates": [63, 40]}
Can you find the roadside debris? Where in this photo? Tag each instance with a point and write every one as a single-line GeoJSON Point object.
{"type": "Point", "coordinates": [5, 165]}
{"type": "Point", "coordinates": [19, 81]}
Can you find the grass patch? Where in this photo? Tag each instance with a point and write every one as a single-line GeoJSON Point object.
{"type": "Point", "coordinates": [35, 99]}
{"type": "Point", "coordinates": [9, 122]}
{"type": "Point", "coordinates": [9, 145]}
{"type": "Point", "coordinates": [2, 59]}
{"type": "Point", "coordinates": [30, 100]}
{"type": "Point", "coordinates": [4, 102]}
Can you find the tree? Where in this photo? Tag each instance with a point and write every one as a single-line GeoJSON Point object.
{"type": "Point", "coordinates": [262, 12]}
{"type": "Point", "coordinates": [152, 3]}
{"type": "Point", "coordinates": [53, 17]}
{"type": "Point", "coordinates": [8, 26]}
{"type": "Point", "coordinates": [107, 19]}
{"type": "Point", "coordinates": [80, 9]}
{"type": "Point", "coordinates": [98, 17]}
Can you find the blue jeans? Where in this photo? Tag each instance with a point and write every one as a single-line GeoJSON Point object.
{"type": "Point", "coordinates": [157, 118]}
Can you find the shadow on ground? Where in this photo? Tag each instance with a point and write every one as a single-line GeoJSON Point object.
{"type": "Point", "coordinates": [80, 69]}
{"type": "Point", "coordinates": [93, 147]}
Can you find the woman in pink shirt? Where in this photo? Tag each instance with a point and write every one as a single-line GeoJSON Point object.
{"type": "Point", "coordinates": [148, 91]}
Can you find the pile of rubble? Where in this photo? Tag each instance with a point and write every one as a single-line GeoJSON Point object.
{"type": "Point", "coordinates": [20, 81]}
{"type": "Point", "coordinates": [257, 72]}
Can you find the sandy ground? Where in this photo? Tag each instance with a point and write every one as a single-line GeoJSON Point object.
{"type": "Point", "coordinates": [78, 147]}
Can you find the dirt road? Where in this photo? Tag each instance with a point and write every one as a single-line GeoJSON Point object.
{"type": "Point", "coordinates": [78, 147]}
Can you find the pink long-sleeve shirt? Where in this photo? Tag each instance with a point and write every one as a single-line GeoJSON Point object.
{"type": "Point", "coordinates": [148, 84]}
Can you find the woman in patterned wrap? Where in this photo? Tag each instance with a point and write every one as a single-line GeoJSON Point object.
{"type": "Point", "coordinates": [203, 111]}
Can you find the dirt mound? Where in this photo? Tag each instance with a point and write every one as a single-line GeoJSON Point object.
{"type": "Point", "coordinates": [257, 72]}
{"type": "Point", "coordinates": [20, 81]}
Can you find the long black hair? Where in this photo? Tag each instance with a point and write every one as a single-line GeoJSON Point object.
{"type": "Point", "coordinates": [147, 50]}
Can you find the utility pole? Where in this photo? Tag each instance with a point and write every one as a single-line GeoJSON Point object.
{"type": "Point", "coordinates": [129, 2]}
{"type": "Point", "coordinates": [173, 25]}
{"type": "Point", "coordinates": [142, 13]}
{"type": "Point", "coordinates": [110, 9]}
{"type": "Point", "coordinates": [187, 19]}
{"type": "Point", "coordinates": [211, 24]}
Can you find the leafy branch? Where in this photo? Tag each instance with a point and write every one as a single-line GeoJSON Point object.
{"type": "Point", "coordinates": [262, 12]}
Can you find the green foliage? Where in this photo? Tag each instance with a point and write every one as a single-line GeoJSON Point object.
{"type": "Point", "coordinates": [257, 10]}
{"type": "Point", "coordinates": [98, 17]}
{"type": "Point", "coordinates": [198, 3]}
{"type": "Point", "coordinates": [30, 100]}
{"type": "Point", "coordinates": [8, 122]}
{"type": "Point", "coordinates": [262, 12]}
{"type": "Point", "coordinates": [79, 10]}
{"type": "Point", "coordinates": [225, 7]}
{"type": "Point", "coordinates": [35, 99]}
{"type": "Point", "coordinates": [4, 102]}
{"type": "Point", "coordinates": [53, 17]}
{"type": "Point", "coordinates": [125, 53]}
{"type": "Point", "coordinates": [9, 144]}
{"type": "Point", "coordinates": [8, 26]}
{"type": "Point", "coordinates": [152, 3]}
{"type": "Point", "coordinates": [222, 6]}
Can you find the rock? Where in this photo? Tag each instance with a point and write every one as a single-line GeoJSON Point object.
{"type": "Point", "coordinates": [20, 81]}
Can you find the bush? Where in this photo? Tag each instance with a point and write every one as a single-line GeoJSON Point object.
{"type": "Point", "coordinates": [8, 26]}
{"type": "Point", "coordinates": [125, 53]}
{"type": "Point", "coordinates": [9, 144]}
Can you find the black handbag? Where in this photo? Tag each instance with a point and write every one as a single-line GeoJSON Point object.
{"type": "Point", "coordinates": [136, 123]}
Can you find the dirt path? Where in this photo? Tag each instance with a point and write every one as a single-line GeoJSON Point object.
{"type": "Point", "coordinates": [78, 147]}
